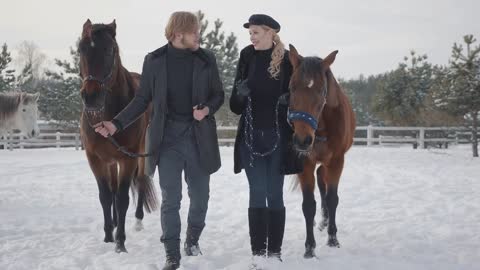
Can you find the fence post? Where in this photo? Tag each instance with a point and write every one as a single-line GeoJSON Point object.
{"type": "Point", "coordinates": [58, 139]}
{"type": "Point", "coordinates": [9, 141]}
{"type": "Point", "coordinates": [421, 139]}
{"type": "Point", "coordinates": [369, 135]}
{"type": "Point", "coordinates": [20, 139]}
{"type": "Point", "coordinates": [77, 141]}
{"type": "Point", "coordinates": [5, 145]}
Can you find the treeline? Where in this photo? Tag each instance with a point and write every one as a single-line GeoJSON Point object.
{"type": "Point", "coordinates": [416, 93]}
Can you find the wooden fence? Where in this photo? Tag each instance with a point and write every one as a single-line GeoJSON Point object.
{"type": "Point", "coordinates": [421, 137]}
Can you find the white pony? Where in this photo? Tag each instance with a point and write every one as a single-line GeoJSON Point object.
{"type": "Point", "coordinates": [19, 111]}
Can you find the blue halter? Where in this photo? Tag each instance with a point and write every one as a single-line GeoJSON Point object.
{"type": "Point", "coordinates": [304, 117]}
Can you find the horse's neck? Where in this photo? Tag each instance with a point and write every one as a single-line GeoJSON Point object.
{"type": "Point", "coordinates": [123, 84]}
{"type": "Point", "coordinates": [335, 97]}
{"type": "Point", "coordinates": [7, 123]}
{"type": "Point", "coordinates": [122, 92]}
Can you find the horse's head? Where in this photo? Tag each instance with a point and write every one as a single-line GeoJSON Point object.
{"type": "Point", "coordinates": [309, 93]}
{"type": "Point", "coordinates": [98, 62]}
{"type": "Point", "coordinates": [27, 114]}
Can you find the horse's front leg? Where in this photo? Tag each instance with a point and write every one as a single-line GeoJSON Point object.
{"type": "Point", "coordinates": [105, 194]}
{"type": "Point", "coordinates": [122, 199]}
{"type": "Point", "coordinates": [309, 206]}
{"type": "Point", "coordinates": [331, 198]}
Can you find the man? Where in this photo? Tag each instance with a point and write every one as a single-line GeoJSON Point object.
{"type": "Point", "coordinates": [182, 82]}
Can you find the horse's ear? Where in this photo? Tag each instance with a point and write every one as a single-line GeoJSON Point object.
{"type": "Point", "coordinates": [87, 29]}
{"type": "Point", "coordinates": [294, 57]}
{"type": "Point", "coordinates": [113, 25]}
{"type": "Point", "coordinates": [328, 61]}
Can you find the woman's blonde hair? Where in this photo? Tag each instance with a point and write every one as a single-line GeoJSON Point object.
{"type": "Point", "coordinates": [181, 22]}
{"type": "Point", "coordinates": [277, 54]}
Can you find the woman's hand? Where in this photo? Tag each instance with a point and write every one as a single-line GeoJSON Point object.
{"type": "Point", "coordinates": [242, 88]}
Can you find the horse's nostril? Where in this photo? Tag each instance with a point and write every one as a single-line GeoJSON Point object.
{"type": "Point", "coordinates": [302, 144]}
{"type": "Point", "coordinates": [308, 141]}
{"type": "Point", "coordinates": [295, 140]}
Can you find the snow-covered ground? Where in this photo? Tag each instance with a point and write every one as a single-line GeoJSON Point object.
{"type": "Point", "coordinates": [399, 209]}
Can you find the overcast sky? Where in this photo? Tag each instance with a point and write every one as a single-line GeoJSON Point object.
{"type": "Point", "coordinates": [372, 36]}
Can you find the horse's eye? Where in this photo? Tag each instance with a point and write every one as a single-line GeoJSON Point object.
{"type": "Point", "coordinates": [24, 110]}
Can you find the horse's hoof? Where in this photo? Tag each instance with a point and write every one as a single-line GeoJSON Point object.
{"type": "Point", "coordinates": [309, 253]}
{"type": "Point", "coordinates": [138, 225]}
{"type": "Point", "coordinates": [120, 247]}
{"type": "Point", "coordinates": [332, 241]}
{"type": "Point", "coordinates": [108, 238]}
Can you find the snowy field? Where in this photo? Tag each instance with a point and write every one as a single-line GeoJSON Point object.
{"type": "Point", "coordinates": [399, 209]}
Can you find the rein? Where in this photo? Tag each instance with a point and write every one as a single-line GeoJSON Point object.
{"type": "Point", "coordinates": [120, 148]}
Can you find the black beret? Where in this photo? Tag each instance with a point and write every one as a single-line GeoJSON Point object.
{"type": "Point", "coordinates": [262, 19]}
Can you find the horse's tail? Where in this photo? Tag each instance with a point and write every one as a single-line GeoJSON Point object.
{"type": "Point", "coordinates": [144, 187]}
{"type": "Point", "coordinates": [144, 183]}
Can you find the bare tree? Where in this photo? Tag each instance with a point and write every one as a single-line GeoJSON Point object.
{"type": "Point", "coordinates": [30, 61]}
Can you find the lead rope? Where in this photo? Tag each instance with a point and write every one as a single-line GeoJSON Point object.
{"type": "Point", "coordinates": [248, 132]}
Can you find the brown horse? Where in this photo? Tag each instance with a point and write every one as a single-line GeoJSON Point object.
{"type": "Point", "coordinates": [324, 125]}
{"type": "Point", "coordinates": [106, 89]}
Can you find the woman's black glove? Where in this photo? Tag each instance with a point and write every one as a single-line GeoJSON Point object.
{"type": "Point", "coordinates": [242, 88]}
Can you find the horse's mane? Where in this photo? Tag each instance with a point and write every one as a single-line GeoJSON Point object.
{"type": "Point", "coordinates": [311, 67]}
{"type": "Point", "coordinates": [101, 27]}
{"type": "Point", "coordinates": [9, 103]}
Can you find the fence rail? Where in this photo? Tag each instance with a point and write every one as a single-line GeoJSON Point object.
{"type": "Point", "coordinates": [366, 135]}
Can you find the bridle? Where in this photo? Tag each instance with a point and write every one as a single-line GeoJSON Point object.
{"type": "Point", "coordinates": [311, 120]}
{"type": "Point", "coordinates": [103, 82]}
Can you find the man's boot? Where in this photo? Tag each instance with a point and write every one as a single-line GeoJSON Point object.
{"type": "Point", "coordinates": [172, 250]}
{"type": "Point", "coordinates": [191, 246]}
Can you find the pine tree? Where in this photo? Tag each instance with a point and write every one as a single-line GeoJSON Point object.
{"type": "Point", "coordinates": [458, 86]}
{"type": "Point", "coordinates": [402, 92]}
{"type": "Point", "coordinates": [60, 93]}
{"type": "Point", "coordinates": [226, 52]}
{"type": "Point", "coordinates": [360, 92]}
{"type": "Point", "coordinates": [7, 76]}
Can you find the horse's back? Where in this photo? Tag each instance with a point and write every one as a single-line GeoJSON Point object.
{"type": "Point", "coordinates": [135, 80]}
{"type": "Point", "coordinates": [349, 121]}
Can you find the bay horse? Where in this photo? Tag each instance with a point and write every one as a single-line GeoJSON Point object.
{"type": "Point", "coordinates": [106, 89]}
{"type": "Point", "coordinates": [324, 124]}
{"type": "Point", "coordinates": [19, 111]}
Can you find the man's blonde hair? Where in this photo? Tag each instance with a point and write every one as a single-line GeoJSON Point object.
{"type": "Point", "coordinates": [181, 22]}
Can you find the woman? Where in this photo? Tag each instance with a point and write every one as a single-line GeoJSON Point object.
{"type": "Point", "coordinates": [263, 136]}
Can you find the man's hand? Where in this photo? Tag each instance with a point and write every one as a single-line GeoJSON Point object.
{"type": "Point", "coordinates": [199, 114]}
{"type": "Point", "coordinates": [105, 128]}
